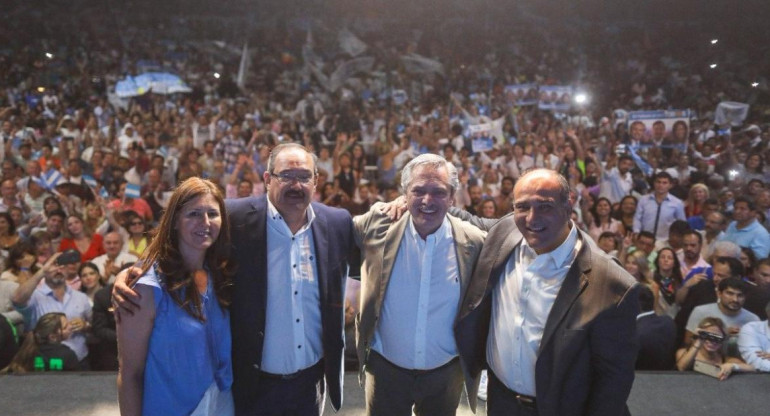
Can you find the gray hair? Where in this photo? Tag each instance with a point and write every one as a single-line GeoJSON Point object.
{"type": "Point", "coordinates": [434, 161]}
{"type": "Point", "coordinates": [284, 146]}
{"type": "Point", "coordinates": [564, 188]}
{"type": "Point", "coordinates": [727, 248]}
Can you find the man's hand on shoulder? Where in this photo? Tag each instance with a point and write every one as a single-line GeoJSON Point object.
{"type": "Point", "coordinates": [394, 209]}
{"type": "Point", "coordinates": [124, 298]}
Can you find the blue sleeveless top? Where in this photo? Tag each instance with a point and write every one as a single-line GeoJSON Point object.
{"type": "Point", "coordinates": [184, 355]}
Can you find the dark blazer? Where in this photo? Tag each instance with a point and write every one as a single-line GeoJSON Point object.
{"type": "Point", "coordinates": [335, 254]}
{"type": "Point", "coordinates": [585, 363]}
{"type": "Point", "coordinates": [656, 335]}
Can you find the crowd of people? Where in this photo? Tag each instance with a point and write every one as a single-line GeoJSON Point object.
{"type": "Point", "coordinates": [87, 176]}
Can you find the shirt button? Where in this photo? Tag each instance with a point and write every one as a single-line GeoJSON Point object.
{"type": "Point", "coordinates": [297, 319]}
{"type": "Point", "coordinates": [299, 346]}
{"type": "Point", "coordinates": [292, 239]}
{"type": "Point", "coordinates": [294, 265]}
{"type": "Point", "coordinates": [311, 257]}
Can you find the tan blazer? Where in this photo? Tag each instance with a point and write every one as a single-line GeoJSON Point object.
{"type": "Point", "coordinates": [379, 239]}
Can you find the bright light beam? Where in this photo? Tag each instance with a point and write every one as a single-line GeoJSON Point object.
{"type": "Point", "coordinates": [581, 98]}
{"type": "Point", "coordinates": [714, 41]}
{"type": "Point", "coordinates": [712, 66]}
{"type": "Point", "coordinates": [216, 75]}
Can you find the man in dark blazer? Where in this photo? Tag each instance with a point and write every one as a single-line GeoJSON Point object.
{"type": "Point", "coordinates": [585, 351]}
{"type": "Point", "coordinates": [656, 335]}
{"type": "Point", "coordinates": [313, 247]}
{"type": "Point", "coordinates": [289, 191]}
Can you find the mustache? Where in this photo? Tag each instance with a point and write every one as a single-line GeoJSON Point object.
{"type": "Point", "coordinates": [294, 193]}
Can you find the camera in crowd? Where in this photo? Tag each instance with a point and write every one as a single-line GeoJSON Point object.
{"type": "Point", "coordinates": [709, 336]}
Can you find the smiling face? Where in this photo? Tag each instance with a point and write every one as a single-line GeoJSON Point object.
{"type": "Point", "coordinates": [428, 198]}
{"type": "Point", "coordinates": [198, 224]}
{"type": "Point", "coordinates": [285, 187]}
{"type": "Point", "coordinates": [710, 345]}
{"type": "Point", "coordinates": [540, 210]}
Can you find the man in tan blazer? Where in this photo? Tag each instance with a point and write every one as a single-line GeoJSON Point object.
{"type": "Point", "coordinates": [414, 278]}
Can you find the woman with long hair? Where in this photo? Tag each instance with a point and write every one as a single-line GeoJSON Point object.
{"type": "Point", "coordinates": [709, 346]}
{"type": "Point", "coordinates": [625, 214]}
{"type": "Point", "coordinates": [20, 265]}
{"type": "Point", "coordinates": [81, 239]}
{"type": "Point", "coordinates": [95, 221]}
{"type": "Point", "coordinates": [8, 234]}
{"type": "Point", "coordinates": [90, 280]}
{"type": "Point", "coordinates": [174, 353]}
{"type": "Point", "coordinates": [636, 264]}
{"type": "Point", "coordinates": [599, 220]}
{"type": "Point", "coordinates": [668, 279]}
{"type": "Point", "coordinates": [693, 205]}
{"type": "Point", "coordinates": [43, 350]}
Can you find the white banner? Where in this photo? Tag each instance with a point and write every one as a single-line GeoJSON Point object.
{"type": "Point", "coordinates": [730, 113]}
{"type": "Point", "coordinates": [418, 64]}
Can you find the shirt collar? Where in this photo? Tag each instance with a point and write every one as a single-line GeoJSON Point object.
{"type": "Point", "coordinates": [643, 314]}
{"type": "Point", "coordinates": [563, 254]}
{"type": "Point", "coordinates": [274, 215]}
{"type": "Point", "coordinates": [48, 291]}
{"type": "Point", "coordinates": [444, 231]}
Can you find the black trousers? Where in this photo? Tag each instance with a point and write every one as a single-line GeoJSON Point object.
{"type": "Point", "coordinates": [502, 401]}
{"type": "Point", "coordinates": [299, 394]}
{"type": "Point", "coordinates": [393, 391]}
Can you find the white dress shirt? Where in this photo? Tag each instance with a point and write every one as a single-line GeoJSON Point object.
{"type": "Point", "coordinates": [420, 306]}
{"type": "Point", "coordinates": [521, 303]}
{"type": "Point", "coordinates": [293, 321]}
{"type": "Point", "coordinates": [755, 337]}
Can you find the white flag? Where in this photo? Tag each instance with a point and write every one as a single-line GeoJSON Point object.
{"type": "Point", "coordinates": [350, 44]}
{"type": "Point", "coordinates": [243, 68]}
{"type": "Point", "coordinates": [730, 113]}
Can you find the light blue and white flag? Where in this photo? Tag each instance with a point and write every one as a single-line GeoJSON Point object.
{"type": "Point", "coordinates": [133, 191]}
{"type": "Point", "coordinates": [90, 181]}
{"type": "Point", "coordinates": [52, 178]}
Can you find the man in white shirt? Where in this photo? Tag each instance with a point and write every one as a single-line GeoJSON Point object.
{"type": "Point", "coordinates": [617, 181]}
{"type": "Point", "coordinates": [415, 273]}
{"type": "Point", "coordinates": [552, 314]}
{"type": "Point", "coordinates": [114, 259]}
{"type": "Point", "coordinates": [754, 343]}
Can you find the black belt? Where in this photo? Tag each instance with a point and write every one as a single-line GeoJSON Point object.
{"type": "Point", "coordinates": [292, 376]}
{"type": "Point", "coordinates": [529, 402]}
{"type": "Point", "coordinates": [411, 372]}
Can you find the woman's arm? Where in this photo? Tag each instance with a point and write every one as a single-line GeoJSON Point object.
{"type": "Point", "coordinates": [685, 357]}
{"type": "Point", "coordinates": [133, 339]}
{"type": "Point", "coordinates": [734, 365]}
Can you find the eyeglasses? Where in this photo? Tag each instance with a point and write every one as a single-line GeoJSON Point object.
{"type": "Point", "coordinates": [286, 177]}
